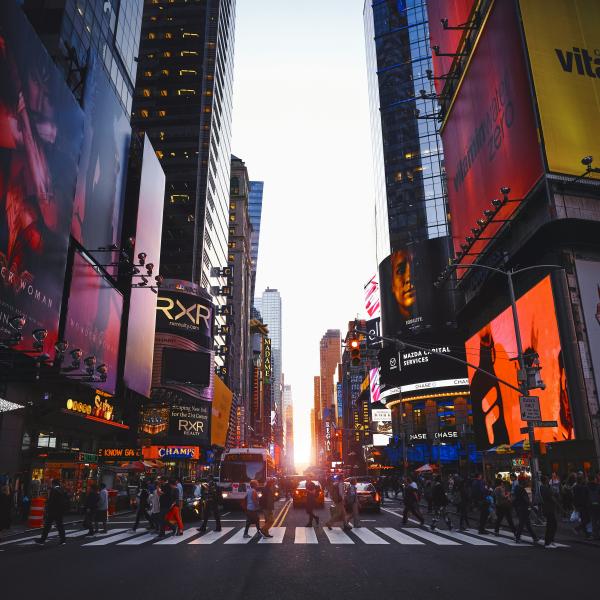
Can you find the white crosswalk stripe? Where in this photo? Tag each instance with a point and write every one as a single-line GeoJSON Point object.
{"type": "Point", "coordinates": [385, 536]}
{"type": "Point", "coordinates": [305, 535]}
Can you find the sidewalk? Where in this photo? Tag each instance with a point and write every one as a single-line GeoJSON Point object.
{"type": "Point", "coordinates": [565, 531]}
{"type": "Point", "coordinates": [20, 528]}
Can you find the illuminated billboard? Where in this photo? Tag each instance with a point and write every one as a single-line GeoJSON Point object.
{"type": "Point", "coordinates": [221, 411]}
{"type": "Point", "coordinates": [142, 308]}
{"type": "Point", "coordinates": [41, 128]}
{"type": "Point", "coordinates": [374, 385]}
{"type": "Point", "coordinates": [184, 323]}
{"type": "Point", "coordinates": [457, 12]}
{"type": "Point", "coordinates": [372, 305]}
{"type": "Point", "coordinates": [564, 52]}
{"type": "Point", "coordinates": [409, 302]}
{"type": "Point", "coordinates": [93, 321]}
{"type": "Point", "coordinates": [496, 410]}
{"type": "Point", "coordinates": [490, 136]}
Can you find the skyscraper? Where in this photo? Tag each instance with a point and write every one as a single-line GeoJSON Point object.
{"type": "Point", "coordinates": [407, 151]}
{"type": "Point", "coordinates": [288, 421]}
{"type": "Point", "coordinates": [255, 212]}
{"type": "Point", "coordinates": [183, 101]}
{"type": "Point", "coordinates": [330, 352]}
{"type": "Point", "coordinates": [270, 309]}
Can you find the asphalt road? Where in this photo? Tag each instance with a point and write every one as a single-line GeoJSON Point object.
{"type": "Point", "coordinates": [381, 557]}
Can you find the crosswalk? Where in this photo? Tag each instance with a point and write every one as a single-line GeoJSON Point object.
{"type": "Point", "coordinates": [234, 535]}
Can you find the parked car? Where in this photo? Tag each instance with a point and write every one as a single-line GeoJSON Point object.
{"type": "Point", "coordinates": [368, 497]}
{"type": "Point", "coordinates": [299, 496]}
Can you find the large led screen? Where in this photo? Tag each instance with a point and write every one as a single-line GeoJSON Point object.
{"type": "Point", "coordinates": [490, 136]}
{"type": "Point", "coordinates": [41, 128]}
{"type": "Point", "coordinates": [99, 199]}
{"type": "Point", "coordinates": [142, 309]}
{"type": "Point", "coordinates": [409, 302]}
{"type": "Point", "coordinates": [496, 410]}
{"type": "Point", "coordinates": [564, 51]}
{"type": "Point", "coordinates": [93, 321]}
{"type": "Point", "coordinates": [457, 12]}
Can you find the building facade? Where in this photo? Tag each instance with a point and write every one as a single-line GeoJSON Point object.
{"type": "Point", "coordinates": [255, 202]}
{"type": "Point", "coordinates": [288, 416]}
{"type": "Point", "coordinates": [183, 100]}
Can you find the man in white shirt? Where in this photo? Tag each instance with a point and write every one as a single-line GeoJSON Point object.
{"type": "Point", "coordinates": [102, 510]}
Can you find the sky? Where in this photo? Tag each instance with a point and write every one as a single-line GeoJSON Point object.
{"type": "Point", "coordinates": [301, 124]}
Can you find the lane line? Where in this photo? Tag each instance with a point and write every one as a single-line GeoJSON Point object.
{"type": "Point", "coordinates": [277, 533]}
{"type": "Point", "coordinates": [282, 514]}
{"type": "Point", "coordinates": [211, 536]}
{"type": "Point", "coordinates": [367, 536]}
{"type": "Point", "coordinates": [400, 537]}
{"type": "Point", "coordinates": [337, 536]}
{"type": "Point", "coordinates": [305, 535]}
{"type": "Point", "coordinates": [178, 539]}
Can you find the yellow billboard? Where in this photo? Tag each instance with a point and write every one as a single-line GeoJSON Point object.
{"type": "Point", "coordinates": [563, 40]}
{"type": "Point", "coordinates": [221, 409]}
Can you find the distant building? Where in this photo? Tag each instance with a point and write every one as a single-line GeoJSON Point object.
{"type": "Point", "coordinates": [288, 420]}
{"type": "Point", "coordinates": [255, 212]}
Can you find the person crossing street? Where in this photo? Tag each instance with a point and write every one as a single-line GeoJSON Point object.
{"type": "Point", "coordinates": [522, 505]}
{"type": "Point", "coordinates": [211, 497]}
{"type": "Point", "coordinates": [411, 501]}
{"type": "Point", "coordinates": [267, 504]}
{"type": "Point", "coordinates": [56, 507]}
{"type": "Point", "coordinates": [550, 507]}
{"type": "Point", "coordinates": [440, 503]}
{"type": "Point", "coordinates": [337, 510]}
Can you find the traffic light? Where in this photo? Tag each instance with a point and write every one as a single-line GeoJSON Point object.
{"type": "Point", "coordinates": [355, 352]}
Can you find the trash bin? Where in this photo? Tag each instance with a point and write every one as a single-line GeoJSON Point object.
{"type": "Point", "coordinates": [36, 513]}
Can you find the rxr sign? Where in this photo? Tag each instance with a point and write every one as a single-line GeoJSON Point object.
{"type": "Point", "coordinates": [175, 310]}
{"type": "Point", "coordinates": [190, 427]}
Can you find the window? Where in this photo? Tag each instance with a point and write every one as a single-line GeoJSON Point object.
{"type": "Point", "coordinates": [232, 231]}
{"type": "Point", "coordinates": [232, 245]}
{"type": "Point", "coordinates": [165, 72]}
{"type": "Point", "coordinates": [167, 54]}
{"type": "Point", "coordinates": [232, 206]}
{"type": "Point", "coordinates": [161, 135]}
{"type": "Point", "coordinates": [186, 92]}
{"type": "Point", "coordinates": [188, 72]}
{"type": "Point", "coordinates": [151, 35]}
{"type": "Point", "coordinates": [188, 53]}
{"type": "Point", "coordinates": [144, 113]}
{"type": "Point", "coordinates": [146, 93]}
{"type": "Point", "coordinates": [162, 113]}
{"type": "Point", "coordinates": [164, 92]}
{"type": "Point", "coordinates": [188, 34]}
{"type": "Point", "coordinates": [179, 198]}
{"type": "Point", "coordinates": [46, 440]}
{"type": "Point", "coordinates": [147, 73]}
{"type": "Point", "coordinates": [232, 218]}
{"type": "Point", "coordinates": [168, 35]}
{"type": "Point", "coordinates": [160, 154]}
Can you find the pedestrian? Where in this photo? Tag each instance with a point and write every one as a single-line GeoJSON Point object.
{"type": "Point", "coordinates": [211, 496]}
{"type": "Point", "coordinates": [155, 508]}
{"type": "Point", "coordinates": [581, 501]}
{"type": "Point", "coordinates": [594, 505]}
{"type": "Point", "coordinates": [142, 506]}
{"type": "Point", "coordinates": [176, 504]}
{"type": "Point", "coordinates": [337, 510]}
{"type": "Point", "coordinates": [440, 503]}
{"type": "Point", "coordinates": [90, 505]}
{"type": "Point", "coordinates": [478, 497]}
{"type": "Point", "coordinates": [267, 506]}
{"type": "Point", "coordinates": [311, 503]}
{"type": "Point", "coordinates": [396, 486]}
{"type": "Point", "coordinates": [5, 508]}
{"type": "Point", "coordinates": [463, 498]}
{"type": "Point", "coordinates": [179, 493]}
{"type": "Point", "coordinates": [503, 507]}
{"type": "Point", "coordinates": [252, 509]}
{"type": "Point", "coordinates": [56, 507]}
{"type": "Point", "coordinates": [522, 505]}
{"type": "Point", "coordinates": [165, 503]}
{"type": "Point", "coordinates": [566, 494]}
{"type": "Point", "coordinates": [102, 508]}
{"type": "Point", "coordinates": [382, 487]}
{"type": "Point", "coordinates": [411, 501]}
{"type": "Point", "coordinates": [550, 506]}
{"type": "Point", "coordinates": [351, 504]}
{"type": "Point", "coordinates": [428, 494]}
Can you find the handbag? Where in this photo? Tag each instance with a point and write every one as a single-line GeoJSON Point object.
{"type": "Point", "coordinates": [575, 517]}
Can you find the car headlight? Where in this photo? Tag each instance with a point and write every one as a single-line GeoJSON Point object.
{"type": "Point", "coordinates": [225, 495]}
{"type": "Point", "coordinates": [260, 494]}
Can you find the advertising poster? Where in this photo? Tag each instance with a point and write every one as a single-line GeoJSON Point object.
{"type": "Point", "coordinates": [563, 42]}
{"type": "Point", "coordinates": [184, 320]}
{"type": "Point", "coordinates": [374, 385]}
{"type": "Point", "coordinates": [496, 410]}
{"type": "Point", "coordinates": [409, 302]}
{"type": "Point", "coordinates": [458, 12]}
{"type": "Point", "coordinates": [221, 411]}
{"type": "Point", "coordinates": [142, 309]}
{"type": "Point", "coordinates": [381, 426]}
{"type": "Point", "coordinates": [190, 424]}
{"type": "Point", "coordinates": [41, 128]}
{"type": "Point", "coordinates": [93, 321]}
{"type": "Point", "coordinates": [98, 209]}
{"type": "Point", "coordinates": [372, 305]}
{"type": "Point", "coordinates": [490, 136]}
{"type": "Point", "coordinates": [588, 277]}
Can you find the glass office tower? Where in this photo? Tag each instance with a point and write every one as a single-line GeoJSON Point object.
{"type": "Point", "coordinates": [254, 212]}
{"type": "Point", "coordinates": [407, 150]}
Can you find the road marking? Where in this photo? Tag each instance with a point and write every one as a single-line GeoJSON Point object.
{"type": "Point", "coordinates": [110, 539]}
{"type": "Point", "coordinates": [238, 538]}
{"type": "Point", "coordinates": [142, 539]}
{"type": "Point", "coordinates": [499, 539]}
{"type": "Point", "coordinates": [431, 537]}
{"type": "Point", "coordinates": [277, 533]}
{"type": "Point", "coordinates": [526, 538]}
{"type": "Point", "coordinates": [306, 535]}
{"type": "Point", "coordinates": [177, 539]}
{"type": "Point", "coordinates": [282, 514]}
{"type": "Point", "coordinates": [212, 536]}
{"type": "Point", "coordinates": [337, 536]}
{"type": "Point", "coordinates": [70, 534]}
{"type": "Point", "coordinates": [399, 537]}
{"type": "Point", "coordinates": [461, 537]}
{"type": "Point", "coordinates": [387, 510]}
{"type": "Point", "coordinates": [225, 514]}
{"type": "Point", "coordinates": [367, 536]}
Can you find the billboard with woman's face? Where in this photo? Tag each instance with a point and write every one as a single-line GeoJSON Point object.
{"type": "Point", "coordinates": [496, 409]}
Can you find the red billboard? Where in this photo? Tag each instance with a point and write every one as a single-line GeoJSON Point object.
{"type": "Point", "coordinates": [490, 137]}
{"type": "Point", "coordinates": [496, 409]}
{"type": "Point", "coordinates": [142, 309]}
{"type": "Point", "coordinates": [93, 322]}
{"type": "Point", "coordinates": [41, 128]}
{"type": "Point", "coordinates": [457, 12]}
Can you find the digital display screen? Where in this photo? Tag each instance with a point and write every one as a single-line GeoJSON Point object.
{"type": "Point", "coordinates": [183, 366]}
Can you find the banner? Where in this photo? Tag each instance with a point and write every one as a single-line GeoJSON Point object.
{"type": "Point", "coordinates": [372, 305]}
{"type": "Point", "coordinates": [41, 128]}
{"type": "Point", "coordinates": [496, 408]}
{"type": "Point", "coordinates": [190, 424]}
{"type": "Point", "coordinates": [221, 411]}
{"type": "Point", "coordinates": [490, 136]}
{"type": "Point", "coordinates": [563, 39]}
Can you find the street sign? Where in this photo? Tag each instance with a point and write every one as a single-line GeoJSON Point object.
{"type": "Point", "coordinates": [539, 424]}
{"type": "Point", "coordinates": [530, 408]}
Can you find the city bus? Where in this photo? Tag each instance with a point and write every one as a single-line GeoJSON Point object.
{"type": "Point", "coordinates": [238, 467]}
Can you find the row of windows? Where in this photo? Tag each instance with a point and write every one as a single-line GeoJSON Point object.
{"type": "Point", "coordinates": [168, 35]}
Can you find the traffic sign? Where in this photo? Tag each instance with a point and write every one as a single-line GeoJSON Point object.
{"type": "Point", "coordinates": [539, 424]}
{"type": "Point", "coordinates": [530, 408]}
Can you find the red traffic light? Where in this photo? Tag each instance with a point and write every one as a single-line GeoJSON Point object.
{"type": "Point", "coordinates": [354, 344]}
